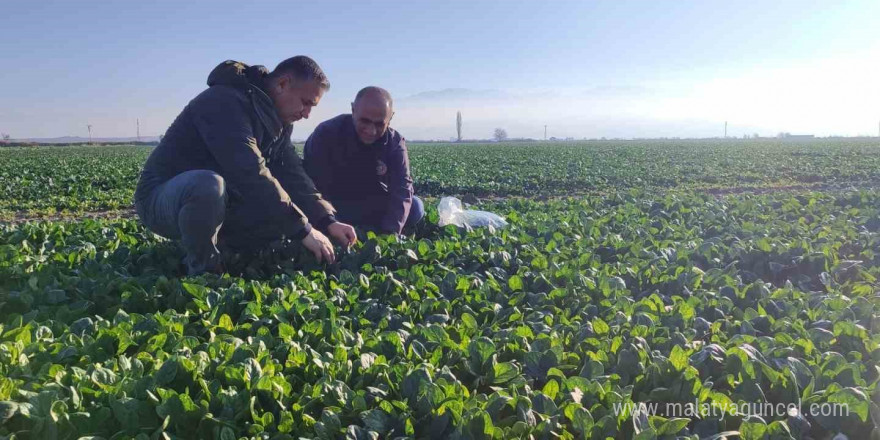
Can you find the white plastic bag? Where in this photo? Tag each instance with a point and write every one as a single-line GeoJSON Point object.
{"type": "Point", "coordinates": [451, 213]}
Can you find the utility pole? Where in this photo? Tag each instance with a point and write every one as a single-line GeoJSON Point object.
{"type": "Point", "coordinates": [90, 134]}
{"type": "Point", "coordinates": [138, 129]}
{"type": "Point", "coordinates": [545, 132]}
{"type": "Point", "coordinates": [725, 129]}
{"type": "Point", "coordinates": [458, 125]}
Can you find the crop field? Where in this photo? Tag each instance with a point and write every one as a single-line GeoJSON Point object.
{"type": "Point", "coordinates": [635, 280]}
{"type": "Point", "coordinates": [73, 179]}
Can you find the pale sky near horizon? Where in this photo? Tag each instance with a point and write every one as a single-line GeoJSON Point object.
{"type": "Point", "coordinates": [585, 69]}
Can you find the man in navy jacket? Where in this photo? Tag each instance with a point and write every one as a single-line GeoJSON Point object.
{"type": "Point", "coordinates": [360, 164]}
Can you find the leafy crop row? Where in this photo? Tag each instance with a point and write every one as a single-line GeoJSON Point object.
{"type": "Point", "coordinates": [47, 179]}
{"type": "Point", "coordinates": [543, 328]}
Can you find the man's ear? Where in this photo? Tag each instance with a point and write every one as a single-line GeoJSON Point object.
{"type": "Point", "coordinates": [283, 83]}
{"type": "Point", "coordinates": [352, 108]}
{"type": "Point", "coordinates": [390, 118]}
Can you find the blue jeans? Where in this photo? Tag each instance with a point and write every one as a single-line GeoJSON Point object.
{"type": "Point", "coordinates": [190, 207]}
{"type": "Point", "coordinates": [368, 213]}
{"type": "Point", "coordinates": [193, 207]}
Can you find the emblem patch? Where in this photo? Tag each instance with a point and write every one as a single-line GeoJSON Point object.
{"type": "Point", "coordinates": [381, 168]}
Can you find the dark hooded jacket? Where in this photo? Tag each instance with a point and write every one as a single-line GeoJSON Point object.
{"type": "Point", "coordinates": [232, 128]}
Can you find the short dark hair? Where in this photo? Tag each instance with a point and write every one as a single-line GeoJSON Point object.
{"type": "Point", "coordinates": [373, 90]}
{"type": "Point", "coordinates": [301, 68]}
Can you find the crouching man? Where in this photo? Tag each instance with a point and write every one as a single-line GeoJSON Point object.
{"type": "Point", "coordinates": [361, 165]}
{"type": "Point", "coordinates": [226, 169]}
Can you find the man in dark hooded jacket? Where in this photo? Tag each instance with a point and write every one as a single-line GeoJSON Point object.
{"type": "Point", "coordinates": [226, 169]}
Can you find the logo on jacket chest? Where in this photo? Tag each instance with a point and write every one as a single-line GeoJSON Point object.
{"type": "Point", "coordinates": [381, 168]}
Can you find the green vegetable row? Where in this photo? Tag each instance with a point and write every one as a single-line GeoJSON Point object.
{"type": "Point", "coordinates": [550, 328]}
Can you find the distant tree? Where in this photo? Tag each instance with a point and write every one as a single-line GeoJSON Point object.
{"type": "Point", "coordinates": [500, 134]}
{"type": "Point", "coordinates": [756, 135]}
{"type": "Point", "coordinates": [6, 137]}
{"type": "Point", "coordinates": [458, 125]}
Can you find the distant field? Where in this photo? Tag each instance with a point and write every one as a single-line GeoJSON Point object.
{"type": "Point", "coordinates": [48, 179]}
{"type": "Point", "coordinates": [645, 290]}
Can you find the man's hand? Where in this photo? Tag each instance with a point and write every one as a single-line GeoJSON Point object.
{"type": "Point", "coordinates": [320, 246]}
{"type": "Point", "coordinates": [343, 234]}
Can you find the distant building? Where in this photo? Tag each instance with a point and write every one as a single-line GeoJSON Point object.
{"type": "Point", "coordinates": [795, 136]}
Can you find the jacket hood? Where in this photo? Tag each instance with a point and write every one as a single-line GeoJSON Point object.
{"type": "Point", "coordinates": [241, 76]}
{"type": "Point", "coordinates": [237, 74]}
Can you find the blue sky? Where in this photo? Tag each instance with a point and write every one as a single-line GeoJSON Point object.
{"type": "Point", "coordinates": [586, 69]}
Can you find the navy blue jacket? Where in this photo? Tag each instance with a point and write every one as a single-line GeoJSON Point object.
{"type": "Point", "coordinates": [344, 168]}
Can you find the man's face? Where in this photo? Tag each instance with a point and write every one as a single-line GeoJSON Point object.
{"type": "Point", "coordinates": [371, 117]}
{"type": "Point", "coordinates": [294, 99]}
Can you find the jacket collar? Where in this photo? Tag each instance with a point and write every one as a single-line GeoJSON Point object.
{"type": "Point", "coordinates": [265, 109]}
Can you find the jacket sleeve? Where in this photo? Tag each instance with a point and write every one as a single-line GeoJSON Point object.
{"type": "Point", "coordinates": [223, 122]}
{"type": "Point", "coordinates": [317, 162]}
{"type": "Point", "coordinates": [301, 188]}
{"type": "Point", "coordinates": [400, 190]}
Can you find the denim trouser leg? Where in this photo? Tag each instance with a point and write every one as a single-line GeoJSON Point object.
{"type": "Point", "coordinates": [190, 207]}
{"type": "Point", "coordinates": [416, 213]}
{"type": "Point", "coordinates": [368, 213]}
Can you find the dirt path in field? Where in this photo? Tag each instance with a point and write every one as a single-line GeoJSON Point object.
{"type": "Point", "coordinates": [717, 192]}
{"type": "Point", "coordinates": [95, 215]}
{"type": "Point", "coordinates": [735, 190]}
{"type": "Point", "coordinates": [23, 217]}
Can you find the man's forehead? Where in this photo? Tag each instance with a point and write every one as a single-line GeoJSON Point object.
{"type": "Point", "coordinates": [313, 89]}
{"type": "Point", "coordinates": [373, 99]}
{"type": "Point", "coordinates": [375, 108]}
